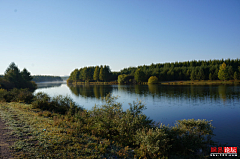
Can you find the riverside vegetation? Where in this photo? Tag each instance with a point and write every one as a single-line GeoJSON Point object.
{"type": "Point", "coordinates": [207, 71]}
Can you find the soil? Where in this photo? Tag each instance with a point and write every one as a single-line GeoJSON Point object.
{"type": "Point", "coordinates": [6, 140]}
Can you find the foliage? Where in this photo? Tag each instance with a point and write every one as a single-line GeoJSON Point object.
{"type": "Point", "coordinates": [210, 76]}
{"type": "Point", "coordinates": [96, 74]}
{"type": "Point", "coordinates": [58, 104]}
{"type": "Point", "coordinates": [223, 72]}
{"type": "Point", "coordinates": [235, 76]}
{"type": "Point", "coordinates": [13, 78]}
{"type": "Point", "coordinates": [26, 75]}
{"type": "Point", "coordinates": [124, 79]}
{"type": "Point", "coordinates": [188, 70]}
{"type": "Point", "coordinates": [110, 121]}
{"type": "Point", "coordinates": [16, 95]}
{"type": "Point", "coordinates": [193, 76]}
{"type": "Point", "coordinates": [139, 75]}
{"type": "Point", "coordinates": [88, 74]}
{"type": "Point", "coordinates": [153, 80]}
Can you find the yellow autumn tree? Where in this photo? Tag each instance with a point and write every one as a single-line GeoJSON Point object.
{"type": "Point", "coordinates": [152, 80]}
{"type": "Point", "coordinates": [222, 73]}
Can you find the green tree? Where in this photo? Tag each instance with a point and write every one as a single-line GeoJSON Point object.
{"type": "Point", "coordinates": [139, 75]}
{"type": "Point", "coordinates": [223, 74]}
{"type": "Point", "coordinates": [96, 74]}
{"type": "Point", "coordinates": [13, 75]}
{"type": "Point", "coordinates": [192, 77]}
{"type": "Point", "coordinates": [235, 76]}
{"type": "Point", "coordinates": [87, 74]}
{"type": "Point", "coordinates": [153, 80]}
{"type": "Point", "coordinates": [210, 76]}
{"type": "Point", "coordinates": [75, 75]}
{"type": "Point", "coordinates": [101, 76]}
{"type": "Point", "coordinates": [122, 79]}
{"type": "Point", "coordinates": [106, 73]}
{"type": "Point", "coordinates": [26, 75]}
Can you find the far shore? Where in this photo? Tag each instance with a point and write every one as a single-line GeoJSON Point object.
{"type": "Point", "coordinates": [51, 82]}
{"type": "Point", "coordinates": [195, 82]}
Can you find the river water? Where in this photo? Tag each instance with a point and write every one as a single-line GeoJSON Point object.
{"type": "Point", "coordinates": [167, 104]}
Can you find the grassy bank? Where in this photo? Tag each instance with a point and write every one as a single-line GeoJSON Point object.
{"type": "Point", "coordinates": [203, 82]}
{"type": "Point", "coordinates": [42, 134]}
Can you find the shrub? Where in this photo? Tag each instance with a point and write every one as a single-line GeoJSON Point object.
{"type": "Point", "coordinates": [153, 80]}
{"type": "Point", "coordinates": [154, 143]}
{"type": "Point", "coordinates": [110, 121]}
{"type": "Point", "coordinates": [58, 104]}
{"type": "Point", "coordinates": [188, 136]}
{"type": "Point", "coordinates": [16, 95]}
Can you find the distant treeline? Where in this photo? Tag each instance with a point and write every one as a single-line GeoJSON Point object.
{"type": "Point", "coordinates": [45, 78]}
{"type": "Point", "coordinates": [188, 70]}
{"type": "Point", "coordinates": [64, 78]}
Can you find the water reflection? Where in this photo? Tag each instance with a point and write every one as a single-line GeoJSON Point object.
{"type": "Point", "coordinates": [49, 84]}
{"type": "Point", "coordinates": [192, 92]}
{"type": "Point", "coordinates": [94, 91]}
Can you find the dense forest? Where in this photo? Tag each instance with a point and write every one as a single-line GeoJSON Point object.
{"type": "Point", "coordinates": [228, 69]}
{"type": "Point", "coordinates": [45, 78]}
{"type": "Point", "coordinates": [13, 78]}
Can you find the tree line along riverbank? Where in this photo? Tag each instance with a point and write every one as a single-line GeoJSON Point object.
{"type": "Point", "coordinates": [197, 71]}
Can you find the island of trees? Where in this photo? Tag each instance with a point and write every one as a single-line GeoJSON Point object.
{"type": "Point", "coordinates": [228, 69]}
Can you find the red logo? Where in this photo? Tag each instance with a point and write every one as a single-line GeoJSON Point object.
{"type": "Point", "coordinates": [230, 149]}
{"type": "Point", "coordinates": [223, 151]}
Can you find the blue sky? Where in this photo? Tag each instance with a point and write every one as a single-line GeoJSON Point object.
{"type": "Point", "coordinates": [55, 37]}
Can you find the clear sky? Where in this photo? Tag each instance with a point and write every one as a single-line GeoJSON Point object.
{"type": "Point", "coordinates": [55, 37]}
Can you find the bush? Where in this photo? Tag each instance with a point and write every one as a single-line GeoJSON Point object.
{"type": "Point", "coordinates": [154, 143]}
{"type": "Point", "coordinates": [153, 80]}
{"type": "Point", "coordinates": [16, 95]}
{"type": "Point", "coordinates": [132, 128]}
{"type": "Point", "coordinates": [58, 104]}
{"type": "Point", "coordinates": [110, 121]}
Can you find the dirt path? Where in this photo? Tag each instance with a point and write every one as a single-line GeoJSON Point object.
{"type": "Point", "coordinates": [5, 141]}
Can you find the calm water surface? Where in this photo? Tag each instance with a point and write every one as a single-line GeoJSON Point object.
{"type": "Point", "coordinates": [167, 104]}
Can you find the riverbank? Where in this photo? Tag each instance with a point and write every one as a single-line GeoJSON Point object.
{"type": "Point", "coordinates": [195, 82]}
{"type": "Point", "coordinates": [97, 133]}
{"type": "Point", "coordinates": [42, 134]}
{"type": "Point", "coordinates": [202, 82]}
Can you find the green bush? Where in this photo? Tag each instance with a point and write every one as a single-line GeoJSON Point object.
{"type": "Point", "coordinates": [132, 128]}
{"type": "Point", "coordinates": [154, 143]}
{"type": "Point", "coordinates": [110, 121]}
{"type": "Point", "coordinates": [58, 104]}
{"type": "Point", "coordinates": [153, 80]}
{"type": "Point", "coordinates": [16, 95]}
